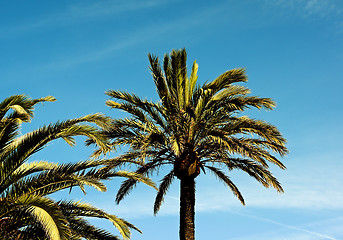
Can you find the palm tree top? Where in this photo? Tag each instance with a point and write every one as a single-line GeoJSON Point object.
{"type": "Point", "coordinates": [196, 127]}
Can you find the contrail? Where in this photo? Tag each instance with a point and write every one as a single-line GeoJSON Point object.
{"type": "Point", "coordinates": [285, 225]}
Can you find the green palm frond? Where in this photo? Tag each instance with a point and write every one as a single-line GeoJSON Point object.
{"type": "Point", "coordinates": [22, 106]}
{"type": "Point", "coordinates": [141, 109]}
{"type": "Point", "coordinates": [61, 177]}
{"type": "Point", "coordinates": [130, 183]}
{"type": "Point", "coordinates": [136, 177]}
{"type": "Point", "coordinates": [82, 229]}
{"type": "Point", "coordinates": [255, 170]}
{"type": "Point", "coordinates": [221, 176]}
{"type": "Point", "coordinates": [23, 171]}
{"type": "Point", "coordinates": [226, 79]}
{"type": "Point", "coordinates": [46, 212]}
{"type": "Point", "coordinates": [16, 153]}
{"type": "Point", "coordinates": [75, 210]}
{"type": "Point", "coordinates": [22, 111]}
{"type": "Point", "coordinates": [162, 190]}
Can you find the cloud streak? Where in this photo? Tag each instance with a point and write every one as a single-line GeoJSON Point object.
{"type": "Point", "coordinates": [287, 226]}
{"type": "Point", "coordinates": [80, 13]}
{"type": "Point", "coordinates": [117, 42]}
{"type": "Point", "coordinates": [308, 8]}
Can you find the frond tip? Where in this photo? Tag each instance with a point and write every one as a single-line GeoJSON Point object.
{"type": "Point", "coordinates": [162, 190]}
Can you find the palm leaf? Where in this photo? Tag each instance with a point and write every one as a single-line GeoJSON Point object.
{"type": "Point", "coordinates": [162, 190]}
{"type": "Point", "coordinates": [45, 212]}
{"type": "Point", "coordinates": [221, 176]}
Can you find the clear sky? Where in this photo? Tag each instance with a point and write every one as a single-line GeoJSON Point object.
{"type": "Point", "coordinates": [293, 52]}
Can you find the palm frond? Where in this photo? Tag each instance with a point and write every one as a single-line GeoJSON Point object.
{"type": "Point", "coordinates": [221, 176]}
{"type": "Point", "coordinates": [162, 190]}
{"type": "Point", "coordinates": [224, 80]}
{"type": "Point", "coordinates": [45, 212]}
{"type": "Point", "coordinates": [22, 106]}
{"type": "Point", "coordinates": [79, 209]}
{"type": "Point", "coordinates": [84, 230]}
{"type": "Point", "coordinates": [129, 184]}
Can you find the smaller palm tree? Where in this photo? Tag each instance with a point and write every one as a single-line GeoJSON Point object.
{"type": "Point", "coordinates": [26, 211]}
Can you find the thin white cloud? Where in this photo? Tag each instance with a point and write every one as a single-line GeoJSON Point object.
{"type": "Point", "coordinates": [304, 232]}
{"type": "Point", "coordinates": [307, 187]}
{"type": "Point", "coordinates": [325, 230]}
{"type": "Point", "coordinates": [107, 8]}
{"type": "Point", "coordinates": [311, 182]}
{"type": "Point", "coordinates": [215, 198]}
{"type": "Point", "coordinates": [296, 197]}
{"type": "Point", "coordinates": [307, 8]}
{"type": "Point", "coordinates": [305, 194]}
{"type": "Point", "coordinates": [133, 207]}
{"type": "Point", "coordinates": [79, 13]}
{"type": "Point", "coordinates": [129, 39]}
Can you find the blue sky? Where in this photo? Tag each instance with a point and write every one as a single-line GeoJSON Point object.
{"type": "Point", "coordinates": [293, 52]}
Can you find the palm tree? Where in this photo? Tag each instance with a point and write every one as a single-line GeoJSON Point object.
{"type": "Point", "coordinates": [195, 128]}
{"type": "Point", "coordinates": [26, 211]}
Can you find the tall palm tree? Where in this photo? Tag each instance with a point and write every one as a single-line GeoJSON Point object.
{"type": "Point", "coordinates": [26, 211]}
{"type": "Point", "coordinates": [195, 128]}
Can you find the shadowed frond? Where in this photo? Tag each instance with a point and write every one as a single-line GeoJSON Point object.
{"type": "Point", "coordinates": [129, 184]}
{"type": "Point", "coordinates": [221, 176]}
{"type": "Point", "coordinates": [162, 190]}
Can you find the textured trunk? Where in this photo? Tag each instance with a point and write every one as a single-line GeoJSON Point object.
{"type": "Point", "coordinates": [187, 208]}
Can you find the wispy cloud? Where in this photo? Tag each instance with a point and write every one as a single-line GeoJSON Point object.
{"type": "Point", "coordinates": [142, 207]}
{"type": "Point", "coordinates": [307, 187]}
{"type": "Point", "coordinates": [324, 230]}
{"type": "Point", "coordinates": [302, 191]}
{"type": "Point", "coordinates": [101, 9]}
{"type": "Point", "coordinates": [299, 233]}
{"type": "Point", "coordinates": [79, 13]}
{"type": "Point", "coordinates": [305, 197]}
{"type": "Point", "coordinates": [215, 198]}
{"type": "Point", "coordinates": [116, 43]}
{"type": "Point", "coordinates": [308, 8]}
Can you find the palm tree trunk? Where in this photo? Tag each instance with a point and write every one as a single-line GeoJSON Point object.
{"type": "Point", "coordinates": [187, 211]}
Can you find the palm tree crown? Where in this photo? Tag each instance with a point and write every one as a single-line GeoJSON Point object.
{"type": "Point", "coordinates": [195, 128]}
{"type": "Point", "coordinates": [25, 210]}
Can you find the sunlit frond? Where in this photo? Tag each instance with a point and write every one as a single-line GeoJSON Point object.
{"type": "Point", "coordinates": [77, 209]}
{"type": "Point", "coordinates": [46, 212]}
